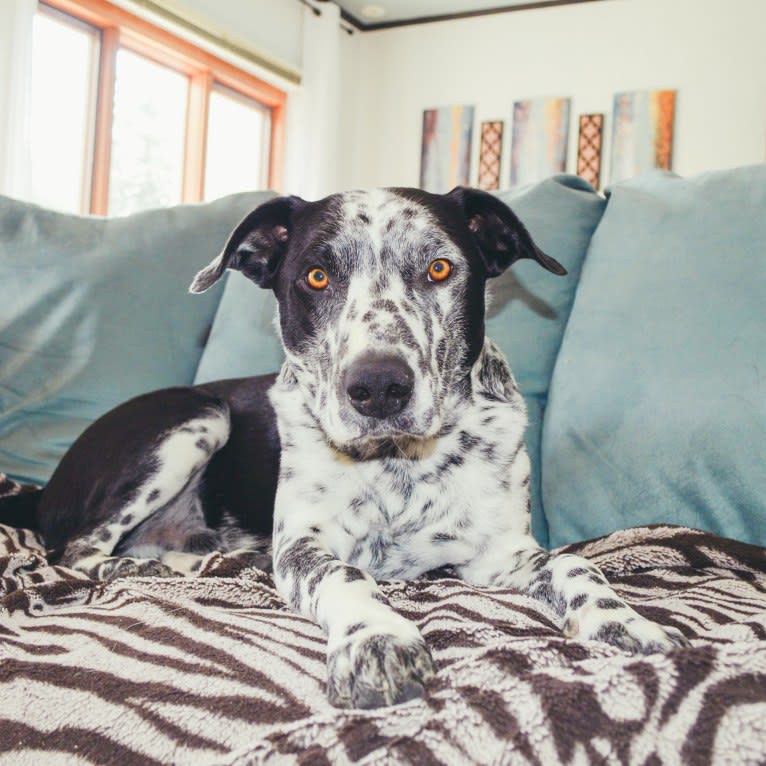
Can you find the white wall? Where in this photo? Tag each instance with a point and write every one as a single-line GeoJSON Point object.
{"type": "Point", "coordinates": [271, 27]}
{"type": "Point", "coordinates": [711, 51]}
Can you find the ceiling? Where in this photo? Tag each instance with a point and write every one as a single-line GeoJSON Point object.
{"type": "Point", "coordinates": [381, 14]}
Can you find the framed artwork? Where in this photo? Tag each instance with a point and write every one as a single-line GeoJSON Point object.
{"type": "Point", "coordinates": [539, 145]}
{"type": "Point", "coordinates": [445, 158]}
{"type": "Point", "coordinates": [490, 155]}
{"type": "Point", "coordinates": [589, 143]}
{"type": "Point", "coordinates": [642, 133]}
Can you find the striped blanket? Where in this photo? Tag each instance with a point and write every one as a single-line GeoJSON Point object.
{"type": "Point", "coordinates": [216, 669]}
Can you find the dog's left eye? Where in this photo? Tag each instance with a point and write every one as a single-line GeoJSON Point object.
{"type": "Point", "coordinates": [317, 278]}
{"type": "Point", "coordinates": [439, 270]}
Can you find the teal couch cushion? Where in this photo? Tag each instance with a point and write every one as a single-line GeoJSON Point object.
{"type": "Point", "coordinates": [94, 311]}
{"type": "Point", "coordinates": [243, 340]}
{"type": "Point", "coordinates": [530, 306]}
{"type": "Point", "coordinates": [657, 409]}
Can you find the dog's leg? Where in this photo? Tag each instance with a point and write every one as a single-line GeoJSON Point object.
{"type": "Point", "coordinates": [376, 657]}
{"type": "Point", "coordinates": [576, 590]}
{"type": "Point", "coordinates": [179, 457]}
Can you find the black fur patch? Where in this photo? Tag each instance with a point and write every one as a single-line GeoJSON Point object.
{"type": "Point", "coordinates": [609, 603]}
{"type": "Point", "coordinates": [577, 601]}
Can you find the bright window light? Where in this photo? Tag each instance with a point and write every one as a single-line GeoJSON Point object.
{"type": "Point", "coordinates": [148, 133]}
{"type": "Point", "coordinates": [238, 139]}
{"type": "Point", "coordinates": [116, 126]}
{"type": "Point", "coordinates": [64, 65]}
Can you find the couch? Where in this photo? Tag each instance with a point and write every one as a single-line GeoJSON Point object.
{"type": "Point", "coordinates": [644, 374]}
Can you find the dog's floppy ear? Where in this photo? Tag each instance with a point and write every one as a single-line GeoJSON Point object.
{"type": "Point", "coordinates": [255, 247]}
{"type": "Point", "coordinates": [501, 237]}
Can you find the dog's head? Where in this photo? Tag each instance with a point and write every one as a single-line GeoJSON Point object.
{"type": "Point", "coordinates": [381, 300]}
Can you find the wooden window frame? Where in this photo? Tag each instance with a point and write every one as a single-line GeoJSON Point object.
{"type": "Point", "coordinates": [120, 28]}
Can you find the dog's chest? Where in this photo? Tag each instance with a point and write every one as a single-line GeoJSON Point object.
{"type": "Point", "coordinates": [406, 519]}
{"type": "Point", "coordinates": [398, 517]}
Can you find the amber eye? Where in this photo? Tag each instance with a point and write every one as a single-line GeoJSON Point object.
{"type": "Point", "coordinates": [439, 270]}
{"type": "Point", "coordinates": [318, 279]}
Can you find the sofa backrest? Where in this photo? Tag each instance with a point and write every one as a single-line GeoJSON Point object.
{"type": "Point", "coordinates": [94, 311]}
{"type": "Point", "coordinates": [657, 409]}
{"type": "Point", "coordinates": [529, 307]}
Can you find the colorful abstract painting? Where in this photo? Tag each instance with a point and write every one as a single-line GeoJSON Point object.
{"type": "Point", "coordinates": [445, 159]}
{"type": "Point", "coordinates": [539, 145]}
{"type": "Point", "coordinates": [589, 144]}
{"type": "Point", "coordinates": [490, 155]}
{"type": "Point", "coordinates": [642, 133]}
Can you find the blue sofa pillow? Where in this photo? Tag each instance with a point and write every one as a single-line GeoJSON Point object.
{"type": "Point", "coordinates": [657, 409]}
{"type": "Point", "coordinates": [243, 340]}
{"type": "Point", "coordinates": [530, 307]}
{"type": "Point", "coordinates": [94, 311]}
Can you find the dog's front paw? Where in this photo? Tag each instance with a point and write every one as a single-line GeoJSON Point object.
{"type": "Point", "coordinates": [628, 631]}
{"type": "Point", "coordinates": [374, 669]}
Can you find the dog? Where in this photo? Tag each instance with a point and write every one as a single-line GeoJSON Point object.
{"type": "Point", "coordinates": [390, 443]}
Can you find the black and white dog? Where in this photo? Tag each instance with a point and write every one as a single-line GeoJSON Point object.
{"type": "Point", "coordinates": [390, 443]}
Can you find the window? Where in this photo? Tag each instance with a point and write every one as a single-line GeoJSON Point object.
{"type": "Point", "coordinates": [237, 144]}
{"type": "Point", "coordinates": [148, 124]}
{"type": "Point", "coordinates": [63, 102]}
{"type": "Point", "coordinates": [126, 116]}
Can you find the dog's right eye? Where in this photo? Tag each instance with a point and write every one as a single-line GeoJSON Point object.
{"type": "Point", "coordinates": [439, 270]}
{"type": "Point", "coordinates": [317, 279]}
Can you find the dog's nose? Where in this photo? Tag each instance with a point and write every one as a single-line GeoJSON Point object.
{"type": "Point", "coordinates": [379, 385]}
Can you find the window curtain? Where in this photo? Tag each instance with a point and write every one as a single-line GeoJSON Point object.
{"type": "Point", "coordinates": [16, 21]}
{"type": "Point", "coordinates": [314, 110]}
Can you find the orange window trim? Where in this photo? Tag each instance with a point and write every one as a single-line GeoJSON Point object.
{"type": "Point", "coordinates": [121, 28]}
{"type": "Point", "coordinates": [102, 149]}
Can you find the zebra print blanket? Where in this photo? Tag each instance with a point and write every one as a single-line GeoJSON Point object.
{"type": "Point", "coordinates": [216, 670]}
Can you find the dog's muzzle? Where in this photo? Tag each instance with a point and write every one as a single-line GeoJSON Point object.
{"type": "Point", "coordinates": [379, 385]}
